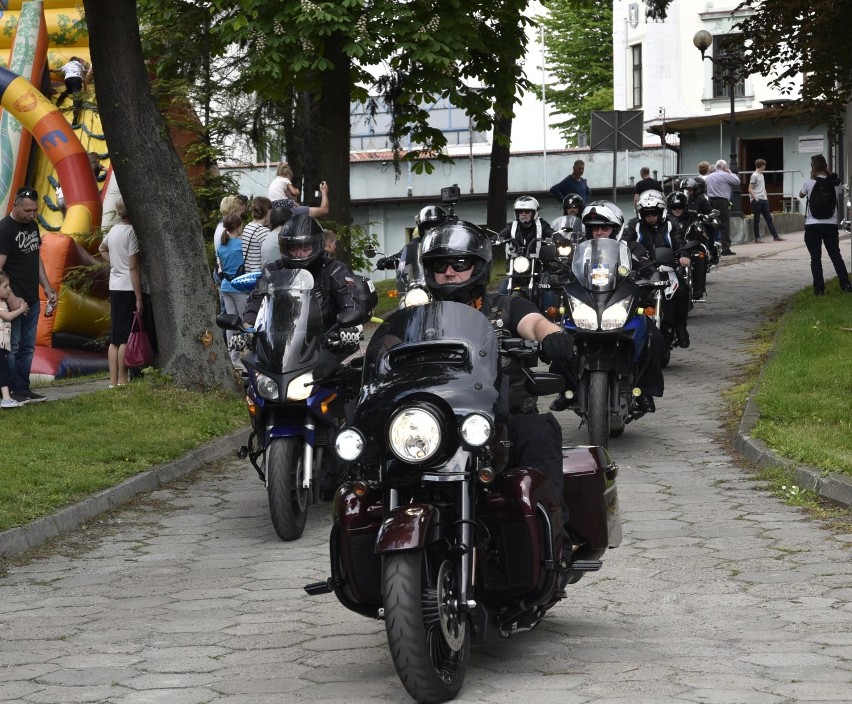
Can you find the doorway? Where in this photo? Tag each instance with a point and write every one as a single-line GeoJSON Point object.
{"type": "Point", "coordinates": [772, 150]}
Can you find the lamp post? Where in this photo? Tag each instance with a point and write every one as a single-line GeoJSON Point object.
{"type": "Point", "coordinates": [731, 65]}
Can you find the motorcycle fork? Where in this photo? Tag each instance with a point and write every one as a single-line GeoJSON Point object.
{"type": "Point", "coordinates": [464, 543]}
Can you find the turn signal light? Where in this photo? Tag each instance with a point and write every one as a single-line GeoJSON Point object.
{"type": "Point", "coordinates": [393, 293]}
{"type": "Point", "coordinates": [359, 488]}
{"type": "Point", "coordinates": [486, 475]}
{"type": "Point", "coordinates": [325, 404]}
{"type": "Point", "coordinates": [252, 409]}
{"type": "Point", "coordinates": [650, 311]}
{"type": "Point", "coordinates": [553, 313]}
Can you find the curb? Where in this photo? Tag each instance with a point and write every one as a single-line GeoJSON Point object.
{"type": "Point", "coordinates": [836, 488]}
{"type": "Point", "coordinates": [17, 540]}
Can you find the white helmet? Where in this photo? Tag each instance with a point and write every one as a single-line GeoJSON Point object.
{"type": "Point", "coordinates": [651, 203]}
{"type": "Point", "coordinates": [602, 212]}
{"type": "Point", "coordinates": [527, 203]}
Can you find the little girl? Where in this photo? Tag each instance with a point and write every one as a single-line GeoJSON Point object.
{"type": "Point", "coordinates": [282, 186]}
{"type": "Point", "coordinates": [6, 318]}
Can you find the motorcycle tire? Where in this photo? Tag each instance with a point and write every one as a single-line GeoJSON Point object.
{"type": "Point", "coordinates": [429, 638]}
{"type": "Point", "coordinates": [288, 500]}
{"type": "Point", "coordinates": [597, 418]}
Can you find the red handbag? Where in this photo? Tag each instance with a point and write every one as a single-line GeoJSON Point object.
{"type": "Point", "coordinates": [138, 352]}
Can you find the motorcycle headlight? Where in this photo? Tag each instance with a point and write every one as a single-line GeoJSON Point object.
{"type": "Point", "coordinates": [415, 297]}
{"type": "Point", "coordinates": [520, 265]}
{"type": "Point", "coordinates": [476, 430]}
{"type": "Point", "coordinates": [414, 435]}
{"type": "Point", "coordinates": [616, 315]}
{"type": "Point", "coordinates": [349, 444]}
{"type": "Point", "coordinates": [564, 250]}
{"type": "Point", "coordinates": [584, 316]}
{"type": "Point", "coordinates": [300, 387]}
{"type": "Point", "coordinates": [266, 387]}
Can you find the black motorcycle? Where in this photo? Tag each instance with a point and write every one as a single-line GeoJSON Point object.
{"type": "Point", "coordinates": [433, 531]}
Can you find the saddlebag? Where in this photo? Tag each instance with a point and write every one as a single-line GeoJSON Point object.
{"type": "Point", "coordinates": [590, 491]}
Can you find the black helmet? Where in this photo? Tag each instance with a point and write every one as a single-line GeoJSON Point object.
{"type": "Point", "coordinates": [700, 187]}
{"type": "Point", "coordinates": [603, 212]}
{"type": "Point", "coordinates": [429, 217]}
{"type": "Point", "coordinates": [677, 199]}
{"type": "Point", "coordinates": [572, 200]}
{"type": "Point", "coordinates": [304, 231]}
{"type": "Point", "coordinates": [457, 239]}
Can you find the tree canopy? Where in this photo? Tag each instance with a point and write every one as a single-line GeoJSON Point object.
{"type": "Point", "coordinates": [578, 41]}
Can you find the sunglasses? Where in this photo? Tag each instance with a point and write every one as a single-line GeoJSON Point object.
{"type": "Point", "coordinates": [459, 265]}
{"type": "Point", "coordinates": [29, 193]}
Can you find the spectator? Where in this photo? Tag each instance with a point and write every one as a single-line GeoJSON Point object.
{"type": "Point", "coordinates": [282, 186]}
{"type": "Point", "coordinates": [704, 168]}
{"type": "Point", "coordinates": [227, 206]}
{"type": "Point", "coordinates": [720, 185]}
{"type": "Point", "coordinates": [20, 259]}
{"type": "Point", "coordinates": [270, 250]}
{"type": "Point", "coordinates": [646, 184]}
{"type": "Point", "coordinates": [319, 211]}
{"type": "Point", "coordinates": [256, 232]}
{"type": "Point", "coordinates": [760, 202]}
{"type": "Point", "coordinates": [121, 249]}
{"type": "Point", "coordinates": [573, 183]}
{"type": "Point", "coordinates": [229, 254]}
{"type": "Point", "coordinates": [330, 242]}
{"type": "Point", "coordinates": [819, 231]}
{"type": "Point", "coordinates": [10, 308]}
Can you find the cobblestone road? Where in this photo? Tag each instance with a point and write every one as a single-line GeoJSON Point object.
{"type": "Point", "coordinates": [720, 593]}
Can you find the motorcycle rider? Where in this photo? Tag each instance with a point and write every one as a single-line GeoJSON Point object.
{"type": "Point", "coordinates": [428, 217]}
{"type": "Point", "coordinates": [697, 200]}
{"type": "Point", "coordinates": [604, 219]}
{"type": "Point", "coordinates": [527, 227]}
{"type": "Point", "coordinates": [572, 207]}
{"type": "Point", "coordinates": [651, 229]}
{"type": "Point", "coordinates": [457, 258]}
{"type": "Point", "coordinates": [681, 218]}
{"type": "Point", "coordinates": [301, 242]}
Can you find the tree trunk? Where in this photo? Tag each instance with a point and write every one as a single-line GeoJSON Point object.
{"type": "Point", "coordinates": [498, 177]}
{"type": "Point", "coordinates": [301, 132]}
{"type": "Point", "coordinates": [334, 138]}
{"type": "Point", "coordinates": [161, 204]}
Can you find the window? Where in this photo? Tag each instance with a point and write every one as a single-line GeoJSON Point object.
{"type": "Point", "coordinates": [637, 75]}
{"type": "Point", "coordinates": [727, 45]}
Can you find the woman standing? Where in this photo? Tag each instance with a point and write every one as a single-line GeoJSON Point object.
{"type": "Point", "coordinates": [256, 232]}
{"type": "Point", "coordinates": [229, 253]}
{"type": "Point", "coordinates": [121, 250]}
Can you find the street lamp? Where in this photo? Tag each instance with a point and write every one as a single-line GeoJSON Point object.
{"type": "Point", "coordinates": [731, 66]}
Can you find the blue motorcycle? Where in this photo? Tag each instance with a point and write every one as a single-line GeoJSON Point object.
{"type": "Point", "coordinates": [295, 396]}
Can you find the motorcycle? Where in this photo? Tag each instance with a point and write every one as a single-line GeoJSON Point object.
{"type": "Point", "coordinates": [410, 277]}
{"type": "Point", "coordinates": [609, 319]}
{"type": "Point", "coordinates": [698, 249]}
{"type": "Point", "coordinates": [433, 531]}
{"type": "Point", "coordinates": [294, 403]}
{"type": "Point", "coordinates": [528, 275]}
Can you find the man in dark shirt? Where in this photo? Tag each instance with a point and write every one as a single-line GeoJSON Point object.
{"type": "Point", "coordinates": [573, 183]}
{"type": "Point", "coordinates": [646, 184]}
{"type": "Point", "coordinates": [20, 259]}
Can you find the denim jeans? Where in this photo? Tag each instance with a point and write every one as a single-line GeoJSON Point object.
{"type": "Point", "coordinates": [761, 207]}
{"type": "Point", "coordinates": [23, 347]}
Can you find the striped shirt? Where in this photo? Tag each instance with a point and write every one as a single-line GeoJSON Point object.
{"type": "Point", "coordinates": [254, 235]}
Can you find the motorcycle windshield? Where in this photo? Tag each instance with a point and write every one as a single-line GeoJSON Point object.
{"type": "Point", "coordinates": [596, 264]}
{"type": "Point", "coordinates": [410, 272]}
{"type": "Point", "coordinates": [289, 322]}
{"type": "Point", "coordinates": [446, 350]}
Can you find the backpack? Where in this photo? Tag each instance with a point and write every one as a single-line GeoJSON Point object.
{"type": "Point", "coordinates": [822, 200]}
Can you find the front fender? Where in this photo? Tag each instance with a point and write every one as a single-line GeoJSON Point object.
{"type": "Point", "coordinates": [405, 528]}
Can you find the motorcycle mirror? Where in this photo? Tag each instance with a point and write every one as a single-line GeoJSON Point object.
{"type": "Point", "coordinates": [547, 253]}
{"type": "Point", "coordinates": [664, 255]}
{"type": "Point", "coordinates": [370, 251]}
{"type": "Point", "coordinates": [349, 317]}
{"type": "Point", "coordinates": [544, 384]}
{"type": "Point", "coordinates": [229, 321]}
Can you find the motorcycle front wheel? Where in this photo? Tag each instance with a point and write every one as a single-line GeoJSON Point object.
{"type": "Point", "coordinates": [288, 500]}
{"type": "Point", "coordinates": [598, 412]}
{"type": "Point", "coordinates": [429, 638]}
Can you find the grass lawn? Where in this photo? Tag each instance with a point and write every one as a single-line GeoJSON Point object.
{"type": "Point", "coordinates": [805, 393]}
{"type": "Point", "coordinates": [56, 453]}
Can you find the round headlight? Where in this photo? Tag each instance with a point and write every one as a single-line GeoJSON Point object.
{"type": "Point", "coordinates": [415, 297]}
{"type": "Point", "coordinates": [476, 430]}
{"type": "Point", "coordinates": [414, 435]}
{"type": "Point", "coordinates": [520, 265]}
{"type": "Point", "coordinates": [266, 387]}
{"type": "Point", "coordinates": [300, 387]}
{"type": "Point", "coordinates": [564, 251]}
{"type": "Point", "coordinates": [349, 444]}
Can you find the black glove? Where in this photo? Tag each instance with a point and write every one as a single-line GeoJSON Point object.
{"type": "Point", "coordinates": [558, 346]}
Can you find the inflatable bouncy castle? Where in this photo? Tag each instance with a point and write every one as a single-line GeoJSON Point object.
{"type": "Point", "coordinates": [49, 149]}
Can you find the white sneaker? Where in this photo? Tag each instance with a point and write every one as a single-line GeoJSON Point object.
{"type": "Point", "coordinates": [9, 403]}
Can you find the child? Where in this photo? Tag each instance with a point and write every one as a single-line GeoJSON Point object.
{"type": "Point", "coordinates": [6, 318]}
{"type": "Point", "coordinates": [281, 186]}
